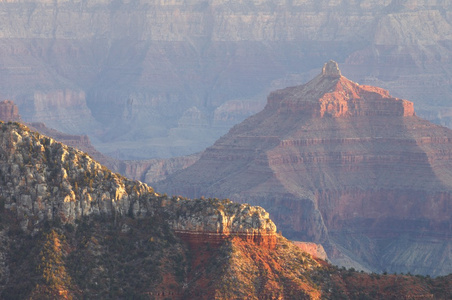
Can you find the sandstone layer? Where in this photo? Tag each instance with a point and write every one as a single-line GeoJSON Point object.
{"type": "Point", "coordinates": [147, 79]}
{"type": "Point", "coordinates": [341, 164]}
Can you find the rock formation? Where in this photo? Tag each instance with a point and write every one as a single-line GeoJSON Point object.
{"type": "Point", "coordinates": [156, 79]}
{"type": "Point", "coordinates": [70, 228]}
{"type": "Point", "coordinates": [80, 142]}
{"type": "Point", "coordinates": [45, 180]}
{"type": "Point", "coordinates": [152, 170]}
{"type": "Point", "coordinates": [9, 112]}
{"type": "Point", "coordinates": [73, 217]}
{"type": "Point", "coordinates": [144, 170]}
{"type": "Point", "coordinates": [341, 164]}
{"type": "Point", "coordinates": [315, 250]}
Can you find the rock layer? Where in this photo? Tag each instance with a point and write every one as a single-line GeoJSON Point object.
{"type": "Point", "coordinates": [341, 164]}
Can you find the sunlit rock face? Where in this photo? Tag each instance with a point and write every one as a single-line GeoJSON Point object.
{"type": "Point", "coordinates": [163, 78]}
{"type": "Point", "coordinates": [341, 164]}
{"type": "Point", "coordinates": [44, 180]}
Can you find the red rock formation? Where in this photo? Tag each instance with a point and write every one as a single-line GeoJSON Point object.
{"type": "Point", "coordinates": [251, 224]}
{"type": "Point", "coordinates": [316, 250]}
{"type": "Point", "coordinates": [341, 164]}
{"type": "Point", "coordinates": [196, 238]}
{"type": "Point", "coordinates": [344, 98]}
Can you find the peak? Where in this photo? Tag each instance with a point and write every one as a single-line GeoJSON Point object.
{"type": "Point", "coordinates": [331, 69]}
{"type": "Point", "coordinates": [331, 94]}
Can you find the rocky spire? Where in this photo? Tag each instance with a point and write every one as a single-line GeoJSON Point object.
{"type": "Point", "coordinates": [331, 69]}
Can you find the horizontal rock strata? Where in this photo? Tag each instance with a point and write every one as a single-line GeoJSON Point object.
{"type": "Point", "coordinates": [340, 164]}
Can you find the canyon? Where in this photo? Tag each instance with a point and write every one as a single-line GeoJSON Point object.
{"type": "Point", "coordinates": [150, 79]}
{"type": "Point", "coordinates": [72, 229]}
{"type": "Point", "coordinates": [341, 164]}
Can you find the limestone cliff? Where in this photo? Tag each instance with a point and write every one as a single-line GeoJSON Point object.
{"type": "Point", "coordinates": [45, 180]}
{"type": "Point", "coordinates": [341, 164]}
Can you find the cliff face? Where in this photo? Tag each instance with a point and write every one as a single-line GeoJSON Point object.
{"type": "Point", "coordinates": [45, 180]}
{"type": "Point", "coordinates": [153, 170]}
{"type": "Point", "coordinates": [341, 164]}
{"type": "Point", "coordinates": [172, 77]}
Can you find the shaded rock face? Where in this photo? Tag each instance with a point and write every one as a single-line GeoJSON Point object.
{"type": "Point", "coordinates": [331, 69]}
{"type": "Point", "coordinates": [129, 73]}
{"type": "Point", "coordinates": [152, 170]}
{"type": "Point", "coordinates": [340, 164]}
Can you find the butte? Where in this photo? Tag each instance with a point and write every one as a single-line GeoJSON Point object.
{"type": "Point", "coordinates": [341, 164]}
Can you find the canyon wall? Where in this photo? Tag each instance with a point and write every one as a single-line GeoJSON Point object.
{"type": "Point", "coordinates": [148, 79]}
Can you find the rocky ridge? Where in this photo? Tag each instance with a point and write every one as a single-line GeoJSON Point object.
{"type": "Point", "coordinates": [341, 164]}
{"type": "Point", "coordinates": [45, 180]}
{"type": "Point", "coordinates": [143, 170]}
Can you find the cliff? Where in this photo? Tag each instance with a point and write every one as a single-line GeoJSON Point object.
{"type": "Point", "coordinates": [341, 164]}
{"type": "Point", "coordinates": [46, 180]}
{"type": "Point", "coordinates": [71, 229]}
{"type": "Point", "coordinates": [147, 79]}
